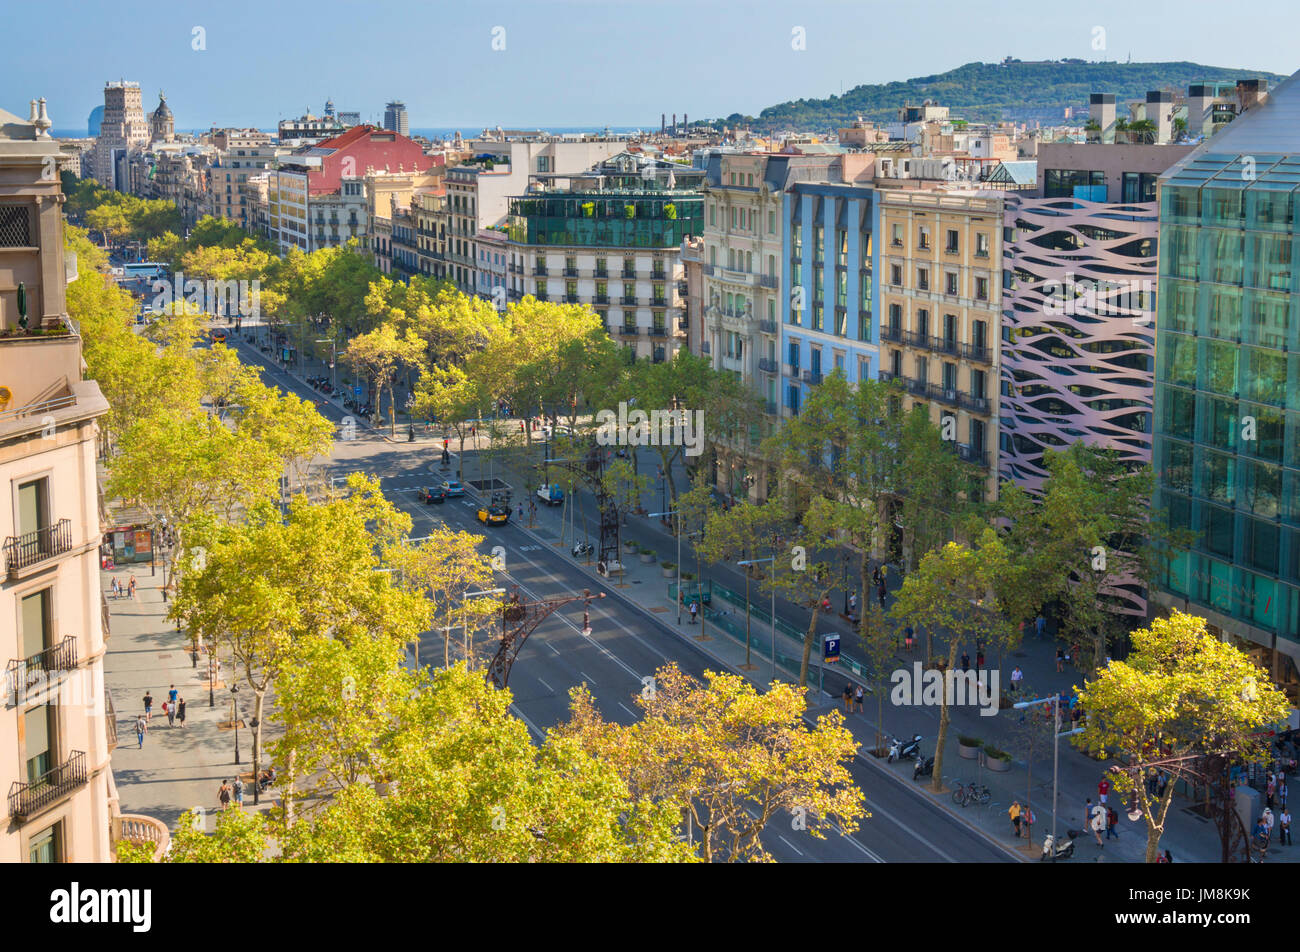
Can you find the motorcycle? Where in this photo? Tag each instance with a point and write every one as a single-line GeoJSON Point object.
{"type": "Point", "coordinates": [904, 751]}
{"type": "Point", "coordinates": [1058, 850]}
{"type": "Point", "coordinates": [924, 767]}
{"type": "Point", "coordinates": [581, 550]}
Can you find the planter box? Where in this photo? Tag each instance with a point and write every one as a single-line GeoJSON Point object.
{"type": "Point", "coordinates": [647, 557]}
{"type": "Point", "coordinates": [629, 547]}
{"type": "Point", "coordinates": [996, 765]}
{"type": "Point", "coordinates": [669, 572]}
{"type": "Point", "coordinates": [967, 753]}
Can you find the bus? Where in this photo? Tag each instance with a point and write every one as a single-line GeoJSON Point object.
{"type": "Point", "coordinates": [145, 270]}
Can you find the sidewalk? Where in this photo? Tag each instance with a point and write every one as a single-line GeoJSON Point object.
{"type": "Point", "coordinates": [1188, 836]}
{"type": "Point", "coordinates": [177, 769]}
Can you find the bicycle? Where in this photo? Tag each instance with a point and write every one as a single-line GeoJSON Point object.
{"type": "Point", "coordinates": [965, 793]}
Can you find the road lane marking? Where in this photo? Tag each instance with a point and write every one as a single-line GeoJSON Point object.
{"type": "Point", "coordinates": [789, 844]}
{"type": "Point", "coordinates": [547, 686]}
{"type": "Point", "coordinates": [586, 676]}
{"type": "Point", "coordinates": [626, 708]}
{"type": "Point", "coordinates": [531, 726]}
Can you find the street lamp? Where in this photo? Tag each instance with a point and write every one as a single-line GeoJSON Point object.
{"type": "Point", "coordinates": [1057, 734]}
{"type": "Point", "coordinates": [772, 559]}
{"type": "Point", "coordinates": [678, 514]}
{"type": "Point", "coordinates": [234, 717]}
{"type": "Point", "coordinates": [334, 360]}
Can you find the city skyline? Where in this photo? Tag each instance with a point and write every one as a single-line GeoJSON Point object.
{"type": "Point", "coordinates": [581, 46]}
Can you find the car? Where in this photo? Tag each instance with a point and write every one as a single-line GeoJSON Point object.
{"type": "Point", "coordinates": [452, 487]}
{"type": "Point", "coordinates": [431, 494]}
{"type": "Point", "coordinates": [494, 515]}
{"type": "Point", "coordinates": [551, 494]}
{"type": "Point", "coordinates": [218, 336]}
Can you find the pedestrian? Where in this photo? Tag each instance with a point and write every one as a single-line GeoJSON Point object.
{"type": "Point", "coordinates": [1284, 828]}
{"type": "Point", "coordinates": [1112, 821]}
{"type": "Point", "coordinates": [166, 711]}
{"type": "Point", "coordinates": [1060, 659]}
{"type": "Point", "coordinates": [1040, 625]}
{"type": "Point", "coordinates": [875, 576]}
{"type": "Point", "coordinates": [1087, 811]}
{"type": "Point", "coordinates": [1267, 819]}
{"type": "Point", "coordinates": [1014, 813]}
{"type": "Point", "coordinates": [148, 705]}
{"type": "Point", "coordinates": [172, 694]}
{"type": "Point", "coordinates": [1074, 654]}
{"type": "Point", "coordinates": [1281, 790]}
{"type": "Point", "coordinates": [1103, 788]}
{"type": "Point", "coordinates": [1161, 783]}
{"type": "Point", "coordinates": [223, 795]}
{"type": "Point", "coordinates": [1027, 821]}
{"type": "Point", "coordinates": [1163, 857]}
{"type": "Point", "coordinates": [847, 695]}
{"type": "Point", "coordinates": [1270, 789]}
{"type": "Point", "coordinates": [965, 662]}
{"type": "Point", "coordinates": [180, 712]}
{"type": "Point", "coordinates": [141, 725]}
{"type": "Point", "coordinates": [1017, 678]}
{"type": "Point", "coordinates": [853, 604]}
{"type": "Point", "coordinates": [909, 638]}
{"type": "Point", "coordinates": [857, 697]}
{"type": "Point", "coordinates": [979, 660]}
{"type": "Point", "coordinates": [881, 592]}
{"type": "Point", "coordinates": [239, 792]}
{"type": "Point", "coordinates": [130, 588]}
{"type": "Point", "coordinates": [113, 587]}
{"type": "Point", "coordinates": [694, 609]}
{"type": "Point", "coordinates": [1098, 824]}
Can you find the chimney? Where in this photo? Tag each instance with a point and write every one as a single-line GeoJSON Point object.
{"type": "Point", "coordinates": [1101, 109]}
{"type": "Point", "coordinates": [1200, 109]}
{"type": "Point", "coordinates": [1251, 92]}
{"type": "Point", "coordinates": [674, 123]}
{"type": "Point", "coordinates": [1160, 110]}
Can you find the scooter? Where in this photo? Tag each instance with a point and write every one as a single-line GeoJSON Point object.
{"type": "Point", "coordinates": [904, 751]}
{"type": "Point", "coordinates": [581, 550]}
{"type": "Point", "coordinates": [924, 767]}
{"type": "Point", "coordinates": [1055, 850]}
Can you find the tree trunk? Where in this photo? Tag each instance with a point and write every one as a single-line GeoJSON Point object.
{"type": "Point", "coordinates": [807, 649]}
{"type": "Point", "coordinates": [289, 787]}
{"type": "Point", "coordinates": [259, 699]}
{"type": "Point", "coordinates": [936, 782]}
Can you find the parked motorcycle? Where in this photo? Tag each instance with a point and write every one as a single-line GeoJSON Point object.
{"type": "Point", "coordinates": [581, 550]}
{"type": "Point", "coordinates": [1056, 850]}
{"type": "Point", "coordinates": [924, 767]}
{"type": "Point", "coordinates": [898, 750]}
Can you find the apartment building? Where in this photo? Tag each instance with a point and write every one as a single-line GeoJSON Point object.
{"type": "Point", "coordinates": [941, 302]}
{"type": "Point", "coordinates": [1227, 381]}
{"type": "Point", "coordinates": [240, 155]}
{"type": "Point", "coordinates": [611, 240]}
{"type": "Point", "coordinates": [123, 129]}
{"type": "Point", "coordinates": [429, 206]}
{"type": "Point", "coordinates": [744, 262]}
{"type": "Point", "coordinates": [57, 722]}
{"type": "Point", "coordinates": [317, 197]}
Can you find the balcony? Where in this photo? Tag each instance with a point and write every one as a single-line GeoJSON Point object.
{"type": "Point", "coordinates": [601, 273]}
{"type": "Point", "coordinates": [683, 323]}
{"type": "Point", "coordinates": [891, 332]}
{"type": "Point", "coordinates": [948, 395]}
{"type": "Point", "coordinates": [706, 347]}
{"type": "Point", "coordinates": [658, 302]}
{"type": "Point", "coordinates": [682, 288]}
{"type": "Point", "coordinates": [570, 272]}
{"type": "Point", "coordinates": [771, 408]}
{"type": "Point", "coordinates": [767, 365]}
{"type": "Point", "coordinates": [946, 345]}
{"type": "Point", "coordinates": [767, 327]}
{"type": "Point", "coordinates": [658, 330]}
{"type": "Point", "coordinates": [629, 330]}
{"type": "Point", "coordinates": [28, 799]}
{"type": "Point", "coordinates": [572, 299]}
{"type": "Point", "coordinates": [23, 673]}
{"type": "Point", "coordinates": [140, 830]}
{"type": "Point", "coordinates": [628, 300]}
{"type": "Point", "coordinates": [767, 281]}
{"type": "Point", "coordinates": [658, 275]}
{"type": "Point", "coordinates": [540, 272]}
{"type": "Point", "coordinates": [973, 402]}
{"type": "Point", "coordinates": [971, 454]}
{"type": "Point", "coordinates": [629, 273]}
{"type": "Point", "coordinates": [602, 299]}
{"type": "Point", "coordinates": [983, 355]}
{"type": "Point", "coordinates": [32, 548]}
{"type": "Point", "coordinates": [813, 377]}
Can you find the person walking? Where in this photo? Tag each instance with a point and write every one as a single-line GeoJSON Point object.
{"type": "Point", "coordinates": [1112, 821]}
{"type": "Point", "coordinates": [148, 705]}
{"type": "Point", "coordinates": [180, 712]}
{"type": "Point", "coordinates": [130, 588]}
{"type": "Point", "coordinates": [881, 592]}
{"type": "Point", "coordinates": [223, 795]}
{"type": "Point", "coordinates": [1060, 659]}
{"type": "Point", "coordinates": [1014, 813]}
{"type": "Point", "coordinates": [694, 610]}
{"type": "Point", "coordinates": [965, 662]}
{"type": "Point", "coordinates": [1040, 625]}
{"type": "Point", "coordinates": [1284, 828]}
{"type": "Point", "coordinates": [1270, 790]}
{"type": "Point", "coordinates": [1281, 790]}
{"type": "Point", "coordinates": [979, 660]}
{"type": "Point", "coordinates": [115, 588]}
{"type": "Point", "coordinates": [172, 694]}
{"type": "Point", "coordinates": [1162, 782]}
{"type": "Point", "coordinates": [847, 695]}
{"type": "Point", "coordinates": [909, 638]}
{"type": "Point", "coordinates": [239, 792]}
{"type": "Point", "coordinates": [1017, 678]}
{"type": "Point", "coordinates": [1103, 789]}
{"type": "Point", "coordinates": [169, 708]}
{"type": "Point", "coordinates": [141, 726]}
{"type": "Point", "coordinates": [857, 698]}
{"type": "Point", "coordinates": [1098, 824]}
{"type": "Point", "coordinates": [853, 605]}
{"type": "Point", "coordinates": [1087, 811]}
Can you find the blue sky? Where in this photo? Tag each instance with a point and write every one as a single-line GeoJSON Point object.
{"type": "Point", "coordinates": [575, 62]}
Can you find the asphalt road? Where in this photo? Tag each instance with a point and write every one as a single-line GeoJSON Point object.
{"type": "Point", "coordinates": [627, 644]}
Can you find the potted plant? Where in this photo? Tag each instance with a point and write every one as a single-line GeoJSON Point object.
{"type": "Point", "coordinates": [589, 209]}
{"type": "Point", "coordinates": [670, 211]}
{"type": "Point", "coordinates": [629, 210]}
{"type": "Point", "coordinates": [647, 555]}
{"type": "Point", "coordinates": [995, 759]}
{"type": "Point", "coordinates": [688, 576]}
{"type": "Point", "coordinates": [630, 546]}
{"type": "Point", "coordinates": [669, 569]}
{"type": "Point", "coordinates": [969, 747]}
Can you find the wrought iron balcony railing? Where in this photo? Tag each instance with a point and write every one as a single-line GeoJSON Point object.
{"type": "Point", "coordinates": [36, 546]}
{"type": "Point", "coordinates": [28, 799]}
{"type": "Point", "coordinates": [22, 673]}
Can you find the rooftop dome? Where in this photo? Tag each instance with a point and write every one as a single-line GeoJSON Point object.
{"type": "Point", "coordinates": [163, 111]}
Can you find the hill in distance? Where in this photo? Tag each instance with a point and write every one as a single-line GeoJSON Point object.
{"type": "Point", "coordinates": [989, 92]}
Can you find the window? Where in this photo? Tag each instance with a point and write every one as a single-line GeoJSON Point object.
{"type": "Point", "coordinates": [951, 246]}
{"type": "Point", "coordinates": [749, 180]}
{"type": "Point", "coordinates": [896, 275]}
{"type": "Point", "coordinates": [982, 289]}
{"type": "Point", "coordinates": [896, 235]}
{"type": "Point", "coordinates": [793, 355]}
{"type": "Point", "coordinates": [733, 218]}
{"type": "Point", "coordinates": [713, 215]}
{"type": "Point", "coordinates": [33, 506]}
{"type": "Point", "coordinates": [923, 241]}
{"type": "Point", "coordinates": [923, 279]}
{"type": "Point", "coordinates": [35, 620]}
{"type": "Point", "coordinates": [923, 323]}
{"type": "Point", "coordinates": [38, 741]}
{"type": "Point", "coordinates": [842, 248]}
{"type": "Point", "coordinates": [950, 283]}
{"type": "Point", "coordinates": [1061, 183]}
{"type": "Point", "coordinates": [981, 245]}
{"type": "Point", "coordinates": [1139, 187]}
{"type": "Point", "coordinates": [47, 845]}
{"type": "Point", "coordinates": [950, 377]}
{"type": "Point", "coordinates": [771, 223]}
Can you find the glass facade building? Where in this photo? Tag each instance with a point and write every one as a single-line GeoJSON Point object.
{"type": "Point", "coordinates": [610, 218]}
{"type": "Point", "coordinates": [1227, 393]}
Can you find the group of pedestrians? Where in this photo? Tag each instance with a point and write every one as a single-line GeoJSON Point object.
{"type": "Point", "coordinates": [173, 708]}
{"type": "Point", "coordinates": [123, 591]}
{"type": "Point", "coordinates": [853, 696]}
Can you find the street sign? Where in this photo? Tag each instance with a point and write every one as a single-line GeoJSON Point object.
{"type": "Point", "coordinates": [356, 391]}
{"type": "Point", "coordinates": [831, 652]}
